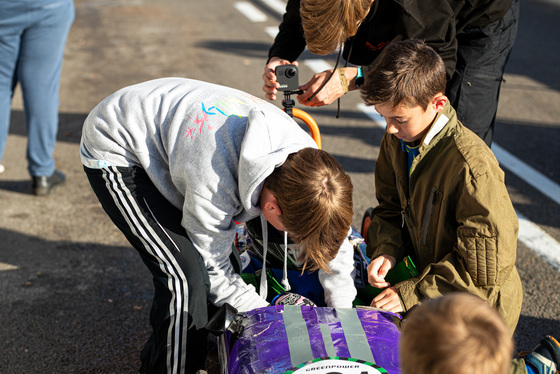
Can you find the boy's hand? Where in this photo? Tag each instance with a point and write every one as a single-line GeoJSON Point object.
{"type": "Point", "coordinates": [388, 299]}
{"type": "Point", "coordinates": [377, 270]}
{"type": "Point", "coordinates": [269, 77]}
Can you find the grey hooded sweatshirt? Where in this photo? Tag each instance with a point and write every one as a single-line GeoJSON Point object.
{"type": "Point", "coordinates": [208, 150]}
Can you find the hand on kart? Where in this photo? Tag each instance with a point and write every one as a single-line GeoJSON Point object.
{"type": "Point", "coordinates": [290, 298]}
{"type": "Point", "coordinates": [269, 77]}
{"type": "Point", "coordinates": [378, 269]}
{"type": "Point", "coordinates": [388, 299]}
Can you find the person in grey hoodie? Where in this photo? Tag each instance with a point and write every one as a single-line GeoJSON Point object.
{"type": "Point", "coordinates": [175, 164]}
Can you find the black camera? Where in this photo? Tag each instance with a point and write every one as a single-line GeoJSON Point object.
{"type": "Point", "coordinates": [287, 76]}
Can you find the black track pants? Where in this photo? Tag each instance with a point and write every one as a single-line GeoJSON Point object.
{"type": "Point", "coordinates": [482, 56]}
{"type": "Point", "coordinates": [153, 227]}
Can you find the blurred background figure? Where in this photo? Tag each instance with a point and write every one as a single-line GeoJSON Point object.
{"type": "Point", "coordinates": [32, 39]}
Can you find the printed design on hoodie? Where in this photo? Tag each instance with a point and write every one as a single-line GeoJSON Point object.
{"type": "Point", "coordinates": [220, 107]}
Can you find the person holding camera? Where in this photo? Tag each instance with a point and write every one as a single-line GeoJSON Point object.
{"type": "Point", "coordinates": [474, 38]}
{"type": "Point", "coordinates": [175, 164]}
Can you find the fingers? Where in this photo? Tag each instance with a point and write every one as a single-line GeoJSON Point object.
{"type": "Point", "coordinates": [318, 95]}
{"type": "Point", "coordinates": [270, 86]}
{"type": "Point", "coordinates": [270, 91]}
{"type": "Point", "coordinates": [388, 299]}
{"type": "Point", "coordinates": [378, 269]}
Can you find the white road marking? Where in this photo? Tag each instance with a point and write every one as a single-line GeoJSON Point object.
{"type": "Point", "coordinates": [539, 241]}
{"type": "Point", "coordinates": [250, 11]}
{"type": "Point", "coordinates": [272, 31]}
{"type": "Point", "coordinates": [278, 6]}
{"type": "Point", "coordinates": [546, 186]}
{"type": "Point", "coordinates": [318, 65]}
{"type": "Point", "coordinates": [5, 266]}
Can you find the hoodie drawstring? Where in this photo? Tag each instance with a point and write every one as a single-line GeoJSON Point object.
{"type": "Point", "coordinates": [263, 287]}
{"type": "Point", "coordinates": [285, 282]}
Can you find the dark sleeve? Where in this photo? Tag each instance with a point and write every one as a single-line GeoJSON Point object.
{"type": "Point", "coordinates": [290, 41]}
{"type": "Point", "coordinates": [432, 21]}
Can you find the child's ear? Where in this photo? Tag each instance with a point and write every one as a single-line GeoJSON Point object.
{"type": "Point", "coordinates": [269, 203]}
{"type": "Point", "coordinates": [273, 207]}
{"type": "Point", "coordinates": [439, 102]}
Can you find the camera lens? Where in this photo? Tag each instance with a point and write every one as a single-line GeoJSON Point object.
{"type": "Point", "coordinates": [291, 72]}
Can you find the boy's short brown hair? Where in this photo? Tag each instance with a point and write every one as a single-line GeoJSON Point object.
{"type": "Point", "coordinates": [315, 196]}
{"type": "Point", "coordinates": [458, 333]}
{"type": "Point", "coordinates": [409, 73]}
{"type": "Point", "coordinates": [327, 24]}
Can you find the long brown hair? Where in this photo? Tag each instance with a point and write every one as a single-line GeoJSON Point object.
{"type": "Point", "coordinates": [315, 196]}
{"type": "Point", "coordinates": [327, 24]}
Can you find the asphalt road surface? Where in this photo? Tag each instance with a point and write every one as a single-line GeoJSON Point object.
{"type": "Point", "coordinates": [76, 297]}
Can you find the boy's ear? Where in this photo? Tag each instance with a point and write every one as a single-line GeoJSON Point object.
{"type": "Point", "coordinates": [439, 101]}
{"type": "Point", "coordinates": [273, 207]}
{"type": "Point", "coordinates": [269, 203]}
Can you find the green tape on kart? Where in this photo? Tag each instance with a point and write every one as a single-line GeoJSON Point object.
{"type": "Point", "coordinates": [358, 345]}
{"type": "Point", "coordinates": [297, 335]}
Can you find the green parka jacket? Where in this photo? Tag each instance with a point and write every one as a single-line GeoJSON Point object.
{"type": "Point", "coordinates": [454, 218]}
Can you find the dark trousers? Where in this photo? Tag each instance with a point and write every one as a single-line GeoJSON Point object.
{"type": "Point", "coordinates": [153, 227]}
{"type": "Point", "coordinates": [482, 56]}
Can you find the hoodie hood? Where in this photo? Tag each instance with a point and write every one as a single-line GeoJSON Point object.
{"type": "Point", "coordinates": [269, 139]}
{"type": "Point", "coordinates": [267, 143]}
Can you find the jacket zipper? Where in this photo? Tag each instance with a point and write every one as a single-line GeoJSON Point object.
{"type": "Point", "coordinates": [428, 217]}
{"type": "Point", "coordinates": [407, 218]}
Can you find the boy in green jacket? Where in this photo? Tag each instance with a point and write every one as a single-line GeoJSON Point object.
{"type": "Point", "coordinates": [441, 193]}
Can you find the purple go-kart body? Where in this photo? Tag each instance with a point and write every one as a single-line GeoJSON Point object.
{"type": "Point", "coordinates": [304, 339]}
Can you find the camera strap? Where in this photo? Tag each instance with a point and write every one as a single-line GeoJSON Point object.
{"type": "Point", "coordinates": [332, 73]}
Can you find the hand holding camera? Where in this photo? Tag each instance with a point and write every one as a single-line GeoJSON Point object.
{"type": "Point", "coordinates": [288, 78]}
{"type": "Point", "coordinates": [269, 77]}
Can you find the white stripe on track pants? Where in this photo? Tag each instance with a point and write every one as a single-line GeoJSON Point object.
{"type": "Point", "coordinates": [153, 227]}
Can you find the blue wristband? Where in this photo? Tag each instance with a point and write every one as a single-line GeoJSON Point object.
{"type": "Point", "coordinates": [275, 298]}
{"type": "Point", "coordinates": [359, 77]}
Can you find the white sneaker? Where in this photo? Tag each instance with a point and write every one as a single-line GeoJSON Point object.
{"type": "Point", "coordinates": [2, 168]}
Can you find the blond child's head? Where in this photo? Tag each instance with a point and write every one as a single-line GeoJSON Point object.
{"type": "Point", "coordinates": [327, 24]}
{"type": "Point", "coordinates": [407, 88]}
{"type": "Point", "coordinates": [458, 333]}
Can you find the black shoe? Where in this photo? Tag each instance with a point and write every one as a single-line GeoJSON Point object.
{"type": "Point", "coordinates": [43, 185]}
